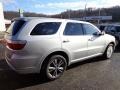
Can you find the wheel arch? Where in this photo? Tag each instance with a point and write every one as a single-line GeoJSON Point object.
{"type": "Point", "coordinates": [113, 44]}
{"type": "Point", "coordinates": [108, 45]}
{"type": "Point", "coordinates": [45, 60]}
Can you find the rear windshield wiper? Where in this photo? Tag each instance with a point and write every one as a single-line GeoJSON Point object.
{"type": "Point", "coordinates": [7, 32]}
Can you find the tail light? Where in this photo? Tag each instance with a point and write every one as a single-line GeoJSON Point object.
{"type": "Point", "coordinates": [16, 44]}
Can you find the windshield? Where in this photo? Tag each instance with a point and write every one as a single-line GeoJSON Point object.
{"type": "Point", "coordinates": [15, 27]}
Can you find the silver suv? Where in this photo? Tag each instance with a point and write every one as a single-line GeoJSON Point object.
{"type": "Point", "coordinates": [48, 46]}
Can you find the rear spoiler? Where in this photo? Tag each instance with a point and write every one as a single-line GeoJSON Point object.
{"type": "Point", "coordinates": [16, 19]}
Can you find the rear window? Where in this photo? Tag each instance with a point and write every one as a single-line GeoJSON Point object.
{"type": "Point", "coordinates": [47, 28]}
{"type": "Point", "coordinates": [15, 27]}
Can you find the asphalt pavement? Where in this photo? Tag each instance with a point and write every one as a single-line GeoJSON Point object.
{"type": "Point", "coordinates": [92, 74]}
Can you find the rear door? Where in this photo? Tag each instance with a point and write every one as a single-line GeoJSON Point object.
{"type": "Point", "coordinates": [73, 41]}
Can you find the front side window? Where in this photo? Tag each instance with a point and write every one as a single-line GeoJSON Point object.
{"type": "Point", "coordinates": [89, 29]}
{"type": "Point", "coordinates": [46, 28]}
{"type": "Point", "coordinates": [73, 29]}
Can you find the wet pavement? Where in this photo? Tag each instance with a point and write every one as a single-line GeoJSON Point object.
{"type": "Point", "coordinates": [92, 74]}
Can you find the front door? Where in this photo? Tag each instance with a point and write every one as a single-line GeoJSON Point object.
{"type": "Point", "coordinates": [96, 43]}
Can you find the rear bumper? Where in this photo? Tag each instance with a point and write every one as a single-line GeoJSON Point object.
{"type": "Point", "coordinates": [22, 65]}
{"type": "Point", "coordinates": [22, 70]}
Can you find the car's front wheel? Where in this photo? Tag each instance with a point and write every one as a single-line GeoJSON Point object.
{"type": "Point", "coordinates": [109, 51]}
{"type": "Point", "coordinates": [55, 67]}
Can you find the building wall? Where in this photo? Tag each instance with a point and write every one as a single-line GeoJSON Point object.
{"type": "Point", "coordinates": [2, 21]}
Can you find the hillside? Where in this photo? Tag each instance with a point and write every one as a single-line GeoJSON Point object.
{"type": "Point", "coordinates": [12, 14]}
{"type": "Point", "coordinates": [113, 11]}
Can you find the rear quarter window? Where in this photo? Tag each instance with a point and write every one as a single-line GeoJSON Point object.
{"type": "Point", "coordinates": [46, 28]}
{"type": "Point", "coordinates": [15, 27]}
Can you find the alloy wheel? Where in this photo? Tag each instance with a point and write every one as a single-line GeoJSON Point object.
{"type": "Point", "coordinates": [56, 67]}
{"type": "Point", "coordinates": [109, 51]}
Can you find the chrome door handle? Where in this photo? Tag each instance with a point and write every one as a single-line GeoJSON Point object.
{"type": "Point", "coordinates": [90, 39]}
{"type": "Point", "coordinates": [64, 41]}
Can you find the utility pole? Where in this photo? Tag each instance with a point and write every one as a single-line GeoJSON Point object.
{"type": "Point", "coordinates": [61, 16]}
{"type": "Point", "coordinates": [21, 12]}
{"type": "Point", "coordinates": [99, 14]}
{"type": "Point", "coordinates": [69, 12]}
{"type": "Point", "coordinates": [85, 9]}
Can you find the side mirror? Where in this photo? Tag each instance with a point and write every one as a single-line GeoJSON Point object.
{"type": "Point", "coordinates": [103, 32]}
{"type": "Point", "coordinates": [98, 34]}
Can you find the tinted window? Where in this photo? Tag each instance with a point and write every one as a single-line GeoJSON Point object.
{"type": "Point", "coordinates": [118, 28]}
{"type": "Point", "coordinates": [46, 28]}
{"type": "Point", "coordinates": [113, 28]}
{"type": "Point", "coordinates": [110, 29]}
{"type": "Point", "coordinates": [15, 27]}
{"type": "Point", "coordinates": [89, 29]}
{"type": "Point", "coordinates": [102, 28]}
{"type": "Point", "coordinates": [73, 29]}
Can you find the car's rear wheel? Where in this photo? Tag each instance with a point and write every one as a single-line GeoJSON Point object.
{"type": "Point", "coordinates": [55, 67]}
{"type": "Point", "coordinates": [109, 51]}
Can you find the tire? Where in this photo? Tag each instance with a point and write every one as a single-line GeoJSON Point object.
{"type": "Point", "coordinates": [109, 51]}
{"type": "Point", "coordinates": [54, 67]}
{"type": "Point", "coordinates": [117, 41]}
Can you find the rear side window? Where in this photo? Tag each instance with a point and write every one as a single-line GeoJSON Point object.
{"type": "Point", "coordinates": [15, 27]}
{"type": "Point", "coordinates": [73, 29]}
{"type": "Point", "coordinates": [46, 28]}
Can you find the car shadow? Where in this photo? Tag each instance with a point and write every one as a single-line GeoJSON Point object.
{"type": "Point", "coordinates": [92, 60]}
{"type": "Point", "coordinates": [10, 80]}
